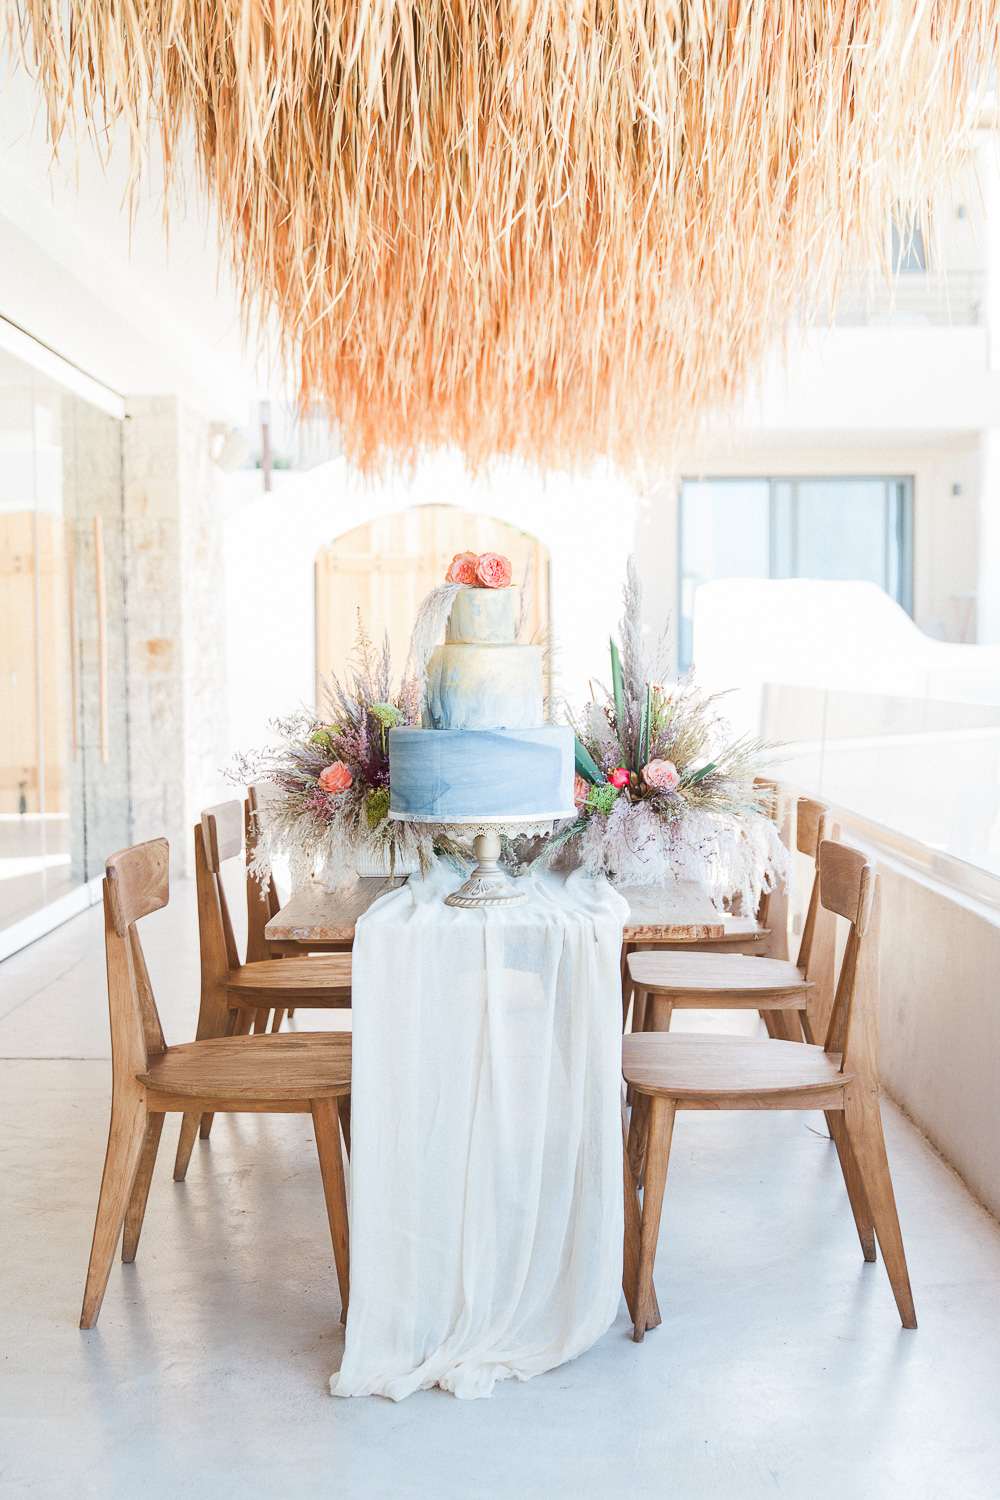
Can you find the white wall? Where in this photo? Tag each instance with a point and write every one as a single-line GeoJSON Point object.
{"type": "Point", "coordinates": [588, 524]}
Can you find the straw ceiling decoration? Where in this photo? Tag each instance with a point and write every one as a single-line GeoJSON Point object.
{"type": "Point", "coordinates": [554, 228]}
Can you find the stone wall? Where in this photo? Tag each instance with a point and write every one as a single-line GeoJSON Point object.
{"type": "Point", "coordinates": [174, 606]}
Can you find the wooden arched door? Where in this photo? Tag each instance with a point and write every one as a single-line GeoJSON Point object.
{"type": "Point", "coordinates": [384, 568]}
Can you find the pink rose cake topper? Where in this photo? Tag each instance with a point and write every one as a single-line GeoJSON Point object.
{"type": "Point", "coordinates": [484, 570]}
{"type": "Point", "coordinates": [492, 571]}
{"type": "Point", "coordinates": [463, 569]}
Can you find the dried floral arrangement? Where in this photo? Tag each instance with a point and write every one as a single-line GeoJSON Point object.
{"type": "Point", "coordinates": [663, 790]}
{"type": "Point", "coordinates": [551, 230]}
{"type": "Point", "coordinates": [329, 778]}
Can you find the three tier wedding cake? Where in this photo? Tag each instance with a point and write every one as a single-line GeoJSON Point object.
{"type": "Point", "coordinates": [483, 751]}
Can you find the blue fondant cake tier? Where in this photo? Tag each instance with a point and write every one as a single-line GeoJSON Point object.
{"type": "Point", "coordinates": [481, 773]}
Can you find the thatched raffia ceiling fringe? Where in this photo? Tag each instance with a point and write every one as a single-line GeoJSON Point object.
{"type": "Point", "coordinates": [553, 228]}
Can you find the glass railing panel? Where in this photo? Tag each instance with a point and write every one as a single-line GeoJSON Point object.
{"type": "Point", "coordinates": [922, 767]}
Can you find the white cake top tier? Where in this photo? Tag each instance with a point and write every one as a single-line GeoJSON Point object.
{"type": "Point", "coordinates": [483, 617]}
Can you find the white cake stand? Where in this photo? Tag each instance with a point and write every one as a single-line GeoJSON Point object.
{"type": "Point", "coordinates": [489, 884]}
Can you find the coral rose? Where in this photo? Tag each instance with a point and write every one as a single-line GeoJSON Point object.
{"type": "Point", "coordinates": [492, 570]}
{"type": "Point", "coordinates": [661, 775]}
{"type": "Point", "coordinates": [618, 777]}
{"type": "Point", "coordinates": [581, 791]}
{"type": "Point", "coordinates": [336, 778]}
{"type": "Point", "coordinates": [463, 569]}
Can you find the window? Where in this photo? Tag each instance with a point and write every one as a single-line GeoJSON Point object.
{"type": "Point", "coordinates": [855, 528]}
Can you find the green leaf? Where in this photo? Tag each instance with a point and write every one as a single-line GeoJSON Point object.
{"type": "Point", "coordinates": [586, 765]}
{"type": "Point", "coordinates": [618, 684]}
{"type": "Point", "coordinates": [700, 775]}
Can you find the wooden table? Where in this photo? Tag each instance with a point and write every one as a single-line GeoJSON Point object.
{"type": "Point", "coordinates": [315, 920]}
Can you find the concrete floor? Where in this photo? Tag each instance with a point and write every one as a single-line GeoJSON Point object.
{"type": "Point", "coordinates": [780, 1368]}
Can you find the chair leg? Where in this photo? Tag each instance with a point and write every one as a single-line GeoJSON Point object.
{"type": "Point", "coordinates": [864, 1127]}
{"type": "Point", "coordinates": [790, 1026]}
{"type": "Point", "coordinates": [279, 1016]}
{"type": "Point", "coordinates": [238, 1023]}
{"type": "Point", "coordinates": [628, 988]}
{"type": "Point", "coordinates": [633, 1231]}
{"type": "Point", "coordinates": [661, 1127]}
{"type": "Point", "coordinates": [136, 1211]}
{"type": "Point", "coordinates": [260, 1020]}
{"type": "Point", "coordinates": [189, 1129]}
{"type": "Point", "coordinates": [331, 1164]}
{"type": "Point", "coordinates": [852, 1181]}
{"type": "Point", "coordinates": [658, 1010]}
{"type": "Point", "coordinates": [344, 1111]}
{"type": "Point", "coordinates": [638, 1134]}
{"type": "Point", "coordinates": [125, 1142]}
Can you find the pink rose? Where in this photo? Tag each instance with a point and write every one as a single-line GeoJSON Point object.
{"type": "Point", "coordinates": [336, 778]}
{"type": "Point", "coordinates": [463, 569]}
{"type": "Point", "coordinates": [619, 777]}
{"type": "Point", "coordinates": [662, 775]}
{"type": "Point", "coordinates": [492, 570]}
{"type": "Point", "coordinates": [581, 790]}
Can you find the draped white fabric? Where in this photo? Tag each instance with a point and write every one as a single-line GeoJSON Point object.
{"type": "Point", "coordinates": [486, 1166]}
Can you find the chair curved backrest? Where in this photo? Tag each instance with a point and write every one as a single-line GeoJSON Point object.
{"type": "Point", "coordinates": [223, 833]}
{"type": "Point", "coordinates": [262, 897]}
{"type": "Point", "coordinates": [136, 882]}
{"type": "Point", "coordinates": [772, 909]}
{"type": "Point", "coordinates": [217, 837]}
{"type": "Point", "coordinates": [813, 824]}
{"type": "Point", "coordinates": [850, 888]}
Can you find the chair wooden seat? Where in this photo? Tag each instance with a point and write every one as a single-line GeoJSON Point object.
{"type": "Point", "coordinates": [737, 1069]}
{"type": "Point", "coordinates": [720, 977]}
{"type": "Point", "coordinates": [323, 981]}
{"type": "Point", "coordinates": [286, 1066]}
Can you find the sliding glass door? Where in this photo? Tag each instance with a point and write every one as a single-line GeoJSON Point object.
{"type": "Point", "coordinates": [63, 720]}
{"type": "Point", "coordinates": [841, 527]}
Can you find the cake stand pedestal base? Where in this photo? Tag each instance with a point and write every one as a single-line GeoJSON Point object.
{"type": "Point", "coordinates": [488, 885]}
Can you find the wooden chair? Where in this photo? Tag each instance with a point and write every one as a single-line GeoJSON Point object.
{"type": "Point", "coordinates": [793, 998]}
{"type": "Point", "coordinates": [667, 1073]}
{"type": "Point", "coordinates": [300, 1074]}
{"type": "Point", "coordinates": [234, 994]}
{"type": "Point", "coordinates": [763, 935]}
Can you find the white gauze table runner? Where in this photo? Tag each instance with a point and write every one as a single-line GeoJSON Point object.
{"type": "Point", "coordinates": [486, 1194]}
